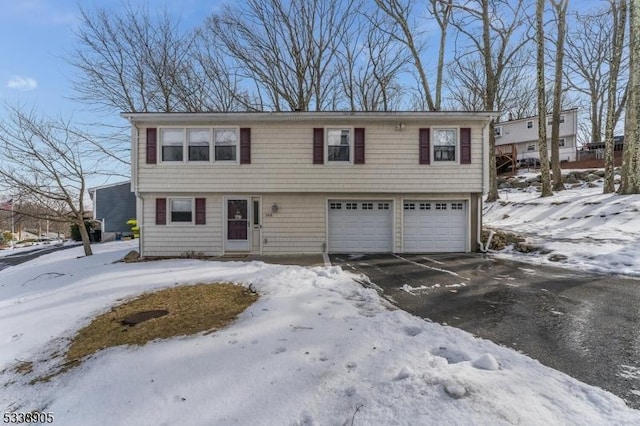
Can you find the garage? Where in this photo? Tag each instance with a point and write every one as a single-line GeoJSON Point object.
{"type": "Point", "coordinates": [357, 226]}
{"type": "Point", "coordinates": [434, 226]}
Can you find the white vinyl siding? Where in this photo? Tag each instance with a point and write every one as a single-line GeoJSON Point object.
{"type": "Point", "coordinates": [299, 226]}
{"type": "Point", "coordinates": [179, 239]}
{"type": "Point", "coordinates": [282, 156]}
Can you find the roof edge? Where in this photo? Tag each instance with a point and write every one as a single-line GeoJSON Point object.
{"type": "Point", "coordinates": [300, 116]}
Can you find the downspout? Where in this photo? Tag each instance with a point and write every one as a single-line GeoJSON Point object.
{"type": "Point", "coordinates": [485, 155]}
{"type": "Point", "coordinates": [134, 182]}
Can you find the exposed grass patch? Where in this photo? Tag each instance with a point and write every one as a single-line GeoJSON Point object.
{"type": "Point", "coordinates": [24, 367]}
{"type": "Point", "coordinates": [191, 309]}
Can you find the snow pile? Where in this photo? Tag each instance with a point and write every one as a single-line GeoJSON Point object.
{"type": "Point", "coordinates": [316, 348]}
{"type": "Point", "coordinates": [595, 231]}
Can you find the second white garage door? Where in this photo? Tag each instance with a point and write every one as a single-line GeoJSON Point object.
{"type": "Point", "coordinates": [434, 226]}
{"type": "Point", "coordinates": [360, 226]}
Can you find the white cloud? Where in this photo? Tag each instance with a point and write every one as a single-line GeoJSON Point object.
{"type": "Point", "coordinates": [22, 83]}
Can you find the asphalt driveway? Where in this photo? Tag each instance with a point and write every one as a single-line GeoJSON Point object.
{"type": "Point", "coordinates": [585, 325]}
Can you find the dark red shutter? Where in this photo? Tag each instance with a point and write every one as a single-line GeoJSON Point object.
{"type": "Point", "coordinates": [152, 144]}
{"type": "Point", "coordinates": [358, 145]}
{"type": "Point", "coordinates": [201, 216]}
{"type": "Point", "coordinates": [161, 211]}
{"type": "Point", "coordinates": [465, 145]}
{"type": "Point", "coordinates": [245, 146]}
{"type": "Point", "coordinates": [424, 146]}
{"type": "Point", "coordinates": [318, 146]}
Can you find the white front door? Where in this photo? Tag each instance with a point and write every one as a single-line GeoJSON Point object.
{"type": "Point", "coordinates": [237, 224]}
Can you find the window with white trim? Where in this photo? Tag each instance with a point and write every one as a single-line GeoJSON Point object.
{"type": "Point", "coordinates": [531, 147]}
{"type": "Point", "coordinates": [339, 146]}
{"type": "Point", "coordinates": [498, 131]}
{"type": "Point", "coordinates": [181, 210]}
{"type": "Point", "coordinates": [561, 142]}
{"type": "Point", "coordinates": [367, 206]}
{"type": "Point", "coordinates": [445, 145]}
{"type": "Point", "coordinates": [550, 120]}
{"type": "Point", "coordinates": [457, 206]}
{"type": "Point", "coordinates": [198, 142]}
{"type": "Point", "coordinates": [529, 124]}
{"type": "Point", "coordinates": [409, 206]}
{"type": "Point", "coordinates": [425, 206]}
{"type": "Point", "coordinates": [335, 206]}
{"type": "Point", "coordinates": [383, 206]}
{"type": "Point", "coordinates": [172, 144]}
{"type": "Point", "coordinates": [226, 145]}
{"type": "Point", "coordinates": [441, 206]}
{"type": "Point", "coordinates": [352, 206]}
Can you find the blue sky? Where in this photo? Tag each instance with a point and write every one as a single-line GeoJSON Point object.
{"type": "Point", "coordinates": [36, 34]}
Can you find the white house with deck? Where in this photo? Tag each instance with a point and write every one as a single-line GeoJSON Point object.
{"type": "Point", "coordinates": [309, 182]}
{"type": "Point", "coordinates": [520, 136]}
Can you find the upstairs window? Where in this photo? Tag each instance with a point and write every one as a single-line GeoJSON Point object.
{"type": "Point", "coordinates": [198, 141]}
{"type": "Point", "coordinates": [498, 131]}
{"type": "Point", "coordinates": [172, 142]}
{"type": "Point", "coordinates": [201, 144]}
{"type": "Point", "coordinates": [561, 142]}
{"type": "Point", "coordinates": [444, 145]}
{"type": "Point", "coordinates": [339, 145]}
{"type": "Point", "coordinates": [529, 124]}
{"type": "Point", "coordinates": [226, 145]}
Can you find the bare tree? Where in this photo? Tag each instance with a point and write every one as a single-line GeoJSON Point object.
{"type": "Point", "coordinates": [398, 13]}
{"type": "Point", "coordinates": [286, 48]}
{"type": "Point", "coordinates": [588, 53]}
{"type": "Point", "coordinates": [542, 110]}
{"type": "Point", "coordinates": [490, 26]}
{"type": "Point", "coordinates": [371, 64]}
{"type": "Point", "coordinates": [130, 61]}
{"type": "Point", "coordinates": [630, 180]}
{"type": "Point", "coordinates": [45, 166]}
{"type": "Point", "coordinates": [560, 12]}
{"type": "Point", "coordinates": [619, 16]}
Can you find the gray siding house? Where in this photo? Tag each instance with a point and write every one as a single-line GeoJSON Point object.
{"type": "Point", "coordinates": [309, 182]}
{"type": "Point", "coordinates": [113, 206]}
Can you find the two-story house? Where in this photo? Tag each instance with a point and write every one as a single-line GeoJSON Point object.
{"type": "Point", "coordinates": [520, 137]}
{"type": "Point", "coordinates": [309, 182]}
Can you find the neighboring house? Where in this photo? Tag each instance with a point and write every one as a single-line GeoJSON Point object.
{"type": "Point", "coordinates": [520, 137]}
{"type": "Point", "coordinates": [309, 182]}
{"type": "Point", "coordinates": [113, 206]}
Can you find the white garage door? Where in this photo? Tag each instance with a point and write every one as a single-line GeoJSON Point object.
{"type": "Point", "coordinates": [360, 226]}
{"type": "Point", "coordinates": [434, 226]}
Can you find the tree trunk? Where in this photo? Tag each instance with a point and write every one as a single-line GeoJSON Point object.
{"type": "Point", "coordinates": [490, 93]}
{"type": "Point", "coordinates": [630, 182]}
{"type": "Point", "coordinates": [619, 13]}
{"type": "Point", "coordinates": [542, 110]}
{"type": "Point", "coordinates": [561, 9]}
{"type": "Point", "coordinates": [86, 241]}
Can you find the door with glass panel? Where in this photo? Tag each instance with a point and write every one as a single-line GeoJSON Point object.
{"type": "Point", "coordinates": [238, 224]}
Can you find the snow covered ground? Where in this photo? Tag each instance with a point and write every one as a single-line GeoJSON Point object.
{"type": "Point", "coordinates": [596, 232]}
{"type": "Point", "coordinates": [315, 349]}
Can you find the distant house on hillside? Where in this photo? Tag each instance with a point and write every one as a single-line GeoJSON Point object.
{"type": "Point", "coordinates": [113, 206]}
{"type": "Point", "coordinates": [517, 140]}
